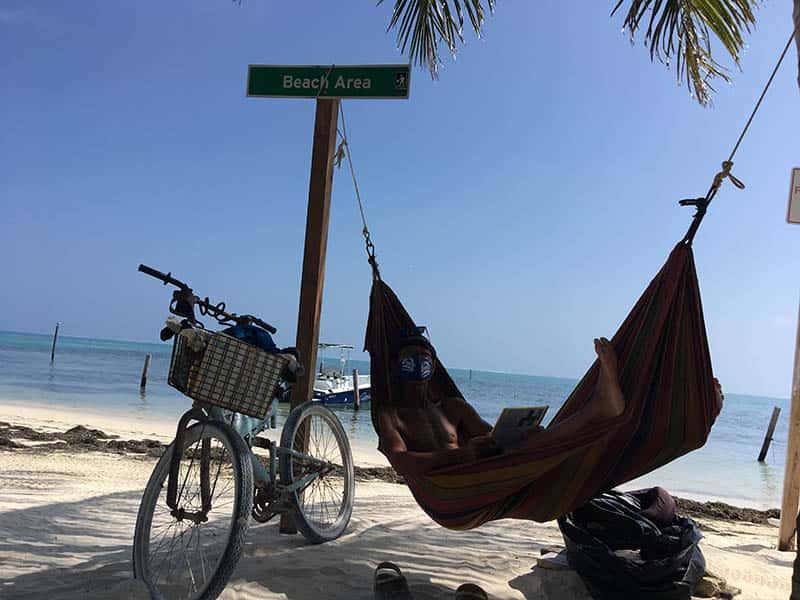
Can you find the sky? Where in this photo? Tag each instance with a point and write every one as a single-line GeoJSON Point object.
{"type": "Point", "coordinates": [519, 205]}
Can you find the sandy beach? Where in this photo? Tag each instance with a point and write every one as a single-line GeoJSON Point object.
{"type": "Point", "coordinates": [67, 518]}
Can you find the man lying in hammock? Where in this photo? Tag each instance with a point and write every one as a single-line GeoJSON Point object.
{"type": "Point", "coordinates": [423, 431]}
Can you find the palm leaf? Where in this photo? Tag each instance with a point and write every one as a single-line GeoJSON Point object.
{"type": "Point", "coordinates": [683, 29]}
{"type": "Point", "coordinates": [422, 25]}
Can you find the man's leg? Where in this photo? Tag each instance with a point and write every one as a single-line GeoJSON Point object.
{"type": "Point", "coordinates": [607, 401]}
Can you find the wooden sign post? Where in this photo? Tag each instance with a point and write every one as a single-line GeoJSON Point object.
{"type": "Point", "coordinates": [319, 205]}
{"type": "Point", "coordinates": [327, 84]}
{"type": "Point", "coordinates": [791, 478]}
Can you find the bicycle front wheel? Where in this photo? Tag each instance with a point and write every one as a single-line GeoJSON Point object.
{"type": "Point", "coordinates": [323, 503]}
{"type": "Point", "coordinates": [190, 553]}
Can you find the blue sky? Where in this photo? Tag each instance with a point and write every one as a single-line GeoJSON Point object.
{"type": "Point", "coordinates": [519, 205]}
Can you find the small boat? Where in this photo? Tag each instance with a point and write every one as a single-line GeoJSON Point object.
{"type": "Point", "coordinates": [333, 383]}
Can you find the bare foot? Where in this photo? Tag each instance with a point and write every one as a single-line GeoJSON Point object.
{"type": "Point", "coordinates": [608, 399]}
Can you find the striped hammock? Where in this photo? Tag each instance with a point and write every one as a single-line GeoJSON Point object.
{"type": "Point", "coordinates": [665, 375]}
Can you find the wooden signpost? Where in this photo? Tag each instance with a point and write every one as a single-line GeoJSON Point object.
{"type": "Point", "coordinates": [328, 85]}
{"type": "Point", "coordinates": [791, 478]}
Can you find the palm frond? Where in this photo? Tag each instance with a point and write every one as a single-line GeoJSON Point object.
{"type": "Point", "coordinates": [683, 29]}
{"type": "Point", "coordinates": [422, 25]}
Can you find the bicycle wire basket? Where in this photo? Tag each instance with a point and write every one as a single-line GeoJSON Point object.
{"type": "Point", "coordinates": [227, 372]}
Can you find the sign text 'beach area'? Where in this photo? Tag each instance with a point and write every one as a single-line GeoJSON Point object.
{"type": "Point", "coordinates": [332, 81]}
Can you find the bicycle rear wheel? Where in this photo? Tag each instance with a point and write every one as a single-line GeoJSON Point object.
{"type": "Point", "coordinates": [191, 555]}
{"type": "Point", "coordinates": [321, 508]}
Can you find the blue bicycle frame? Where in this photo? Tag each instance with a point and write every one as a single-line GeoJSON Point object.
{"type": "Point", "coordinates": [248, 428]}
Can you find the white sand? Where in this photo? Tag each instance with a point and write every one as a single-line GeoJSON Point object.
{"type": "Point", "coordinates": [66, 525]}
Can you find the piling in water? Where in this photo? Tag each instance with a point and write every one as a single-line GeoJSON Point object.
{"type": "Point", "coordinates": [356, 399]}
{"type": "Point", "coordinates": [145, 370]}
{"type": "Point", "coordinates": [55, 338]}
{"type": "Point", "coordinates": [770, 430]}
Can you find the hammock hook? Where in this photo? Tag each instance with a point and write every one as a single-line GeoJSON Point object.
{"type": "Point", "coordinates": [702, 206]}
{"type": "Point", "coordinates": [373, 262]}
{"type": "Point", "coordinates": [702, 203]}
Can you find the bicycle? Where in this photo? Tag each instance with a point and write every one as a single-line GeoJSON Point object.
{"type": "Point", "coordinates": [194, 513]}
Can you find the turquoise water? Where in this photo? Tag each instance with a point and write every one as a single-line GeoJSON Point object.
{"type": "Point", "coordinates": [101, 375]}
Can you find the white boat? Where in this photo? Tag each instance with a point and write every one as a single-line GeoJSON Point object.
{"type": "Point", "coordinates": [333, 383]}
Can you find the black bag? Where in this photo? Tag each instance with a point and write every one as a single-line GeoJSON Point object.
{"type": "Point", "coordinates": [634, 546]}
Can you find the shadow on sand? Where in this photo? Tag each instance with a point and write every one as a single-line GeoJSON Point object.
{"type": "Point", "coordinates": [82, 550]}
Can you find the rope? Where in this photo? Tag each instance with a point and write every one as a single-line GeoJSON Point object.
{"type": "Point", "coordinates": [764, 93]}
{"type": "Point", "coordinates": [324, 78]}
{"type": "Point", "coordinates": [725, 173]}
{"type": "Point", "coordinates": [343, 151]}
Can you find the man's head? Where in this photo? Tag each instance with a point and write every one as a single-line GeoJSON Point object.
{"type": "Point", "coordinates": [415, 357]}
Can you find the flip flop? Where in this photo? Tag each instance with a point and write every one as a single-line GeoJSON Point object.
{"type": "Point", "coordinates": [390, 583]}
{"type": "Point", "coordinates": [470, 591]}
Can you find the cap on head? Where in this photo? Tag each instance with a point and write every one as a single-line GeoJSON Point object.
{"type": "Point", "coordinates": [413, 337]}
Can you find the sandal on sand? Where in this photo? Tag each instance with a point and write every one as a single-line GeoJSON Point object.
{"type": "Point", "coordinates": [470, 591]}
{"type": "Point", "coordinates": [390, 583]}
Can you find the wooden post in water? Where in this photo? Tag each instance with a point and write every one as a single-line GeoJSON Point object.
{"type": "Point", "coordinates": [770, 430]}
{"type": "Point", "coordinates": [145, 370]}
{"type": "Point", "coordinates": [319, 205]}
{"type": "Point", "coordinates": [55, 338]}
{"type": "Point", "coordinates": [791, 477]}
{"type": "Point", "coordinates": [356, 398]}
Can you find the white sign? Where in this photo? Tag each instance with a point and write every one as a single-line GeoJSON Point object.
{"type": "Point", "coordinates": [794, 198]}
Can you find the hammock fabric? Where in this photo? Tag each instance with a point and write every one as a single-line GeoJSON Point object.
{"type": "Point", "coordinates": [666, 377]}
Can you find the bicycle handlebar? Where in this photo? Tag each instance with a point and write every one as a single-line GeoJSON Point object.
{"type": "Point", "coordinates": [183, 301]}
{"type": "Point", "coordinates": [166, 278]}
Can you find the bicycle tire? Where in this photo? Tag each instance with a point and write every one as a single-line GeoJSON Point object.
{"type": "Point", "coordinates": [303, 422]}
{"type": "Point", "coordinates": [155, 494]}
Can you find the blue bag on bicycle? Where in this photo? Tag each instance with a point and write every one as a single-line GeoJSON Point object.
{"type": "Point", "coordinates": [255, 336]}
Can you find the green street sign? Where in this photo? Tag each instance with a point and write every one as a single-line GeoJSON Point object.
{"type": "Point", "coordinates": [332, 81]}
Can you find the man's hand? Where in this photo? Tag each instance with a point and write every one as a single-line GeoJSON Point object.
{"type": "Point", "coordinates": [511, 440]}
{"type": "Point", "coordinates": [481, 446]}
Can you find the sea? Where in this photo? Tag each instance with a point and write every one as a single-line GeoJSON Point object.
{"type": "Point", "coordinates": [104, 375]}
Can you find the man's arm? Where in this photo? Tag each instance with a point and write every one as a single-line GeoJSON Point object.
{"type": "Point", "coordinates": [467, 418]}
{"type": "Point", "coordinates": [409, 462]}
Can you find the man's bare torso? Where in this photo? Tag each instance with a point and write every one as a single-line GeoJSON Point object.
{"type": "Point", "coordinates": [428, 429]}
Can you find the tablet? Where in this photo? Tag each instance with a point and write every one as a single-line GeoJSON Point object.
{"type": "Point", "coordinates": [514, 423]}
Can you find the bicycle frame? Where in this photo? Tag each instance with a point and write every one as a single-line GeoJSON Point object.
{"type": "Point", "coordinates": [246, 427]}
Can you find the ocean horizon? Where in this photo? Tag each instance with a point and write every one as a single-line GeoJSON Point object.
{"type": "Point", "coordinates": [103, 375]}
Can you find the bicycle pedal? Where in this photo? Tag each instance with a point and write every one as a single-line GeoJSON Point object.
{"type": "Point", "coordinates": [262, 443]}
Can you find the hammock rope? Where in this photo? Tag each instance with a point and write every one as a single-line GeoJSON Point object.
{"type": "Point", "coordinates": [341, 152]}
{"type": "Point", "coordinates": [725, 173]}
